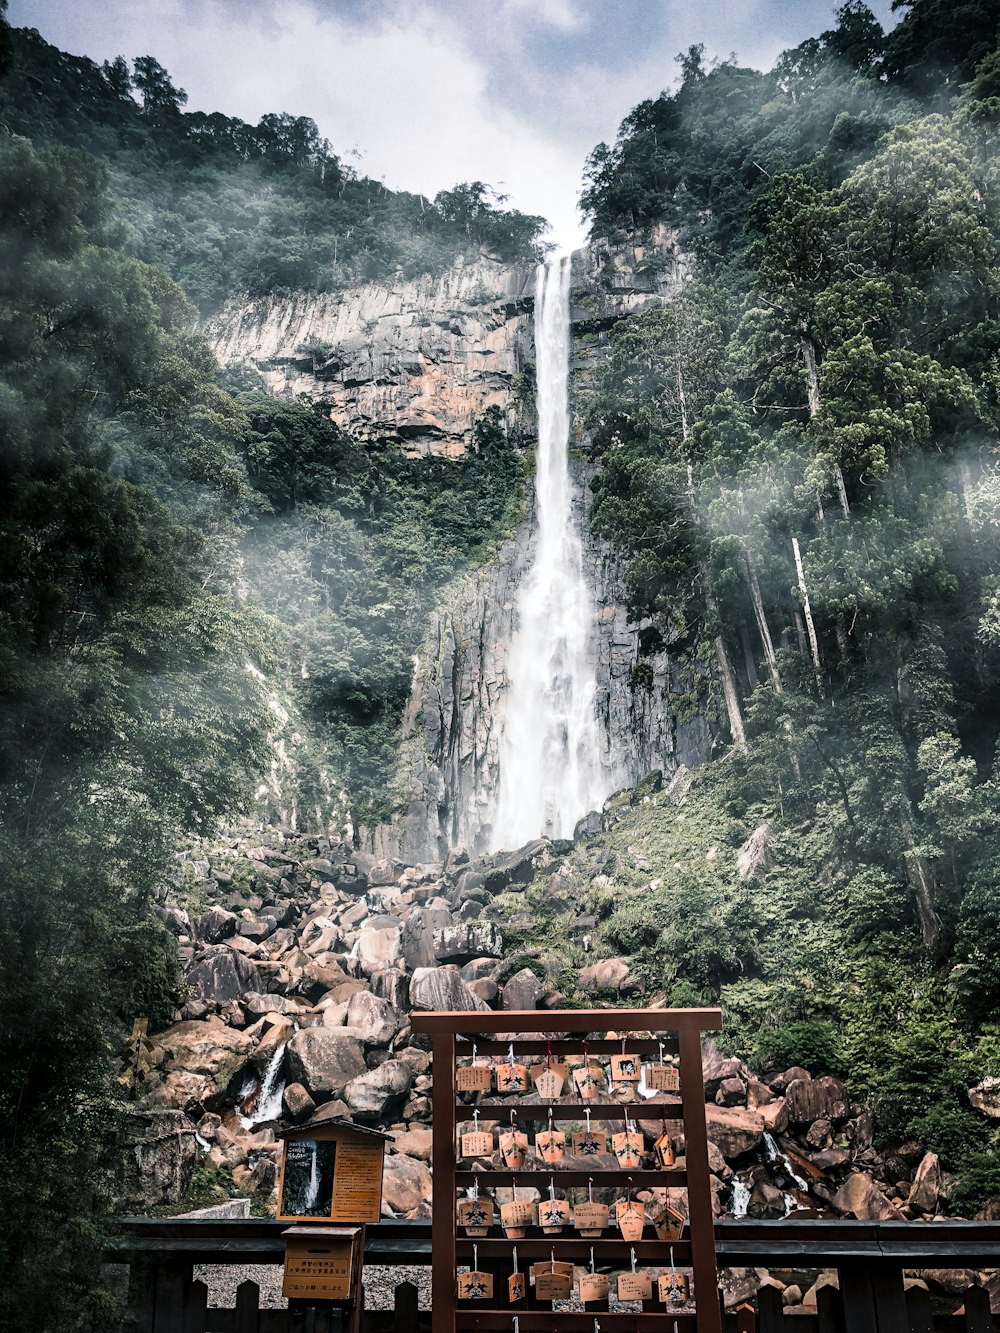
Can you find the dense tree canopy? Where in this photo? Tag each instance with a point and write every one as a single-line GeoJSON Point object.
{"type": "Point", "coordinates": [798, 456]}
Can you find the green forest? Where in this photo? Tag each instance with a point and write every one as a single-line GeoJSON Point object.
{"type": "Point", "coordinates": [798, 459]}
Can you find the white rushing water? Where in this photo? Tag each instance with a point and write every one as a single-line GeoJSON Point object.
{"type": "Point", "coordinates": [550, 768]}
{"type": "Point", "coordinates": [271, 1089]}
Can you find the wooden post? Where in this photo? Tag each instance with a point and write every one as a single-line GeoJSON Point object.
{"type": "Point", "coordinates": [141, 1294]}
{"type": "Point", "coordinates": [978, 1318]}
{"type": "Point", "coordinates": [443, 1147]}
{"type": "Point", "coordinates": [831, 1311]}
{"type": "Point", "coordinates": [746, 1319]}
{"type": "Point", "coordinates": [247, 1308]}
{"type": "Point", "coordinates": [890, 1300]}
{"type": "Point", "coordinates": [858, 1298]}
{"type": "Point", "coordinates": [706, 1278]}
{"type": "Point", "coordinates": [769, 1306]}
{"type": "Point", "coordinates": [918, 1310]}
{"type": "Point", "coordinates": [405, 1309]}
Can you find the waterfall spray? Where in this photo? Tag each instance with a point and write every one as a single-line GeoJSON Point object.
{"type": "Point", "coordinates": [550, 767]}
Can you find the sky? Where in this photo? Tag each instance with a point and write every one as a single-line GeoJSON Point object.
{"type": "Point", "coordinates": [428, 93]}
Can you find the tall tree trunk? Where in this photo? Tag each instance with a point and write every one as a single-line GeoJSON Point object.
{"type": "Point", "coordinates": [921, 877]}
{"type": "Point", "coordinates": [749, 664]}
{"type": "Point", "coordinates": [807, 612]}
{"type": "Point", "coordinates": [770, 658]}
{"type": "Point", "coordinates": [808, 348]}
{"type": "Point", "coordinates": [727, 676]}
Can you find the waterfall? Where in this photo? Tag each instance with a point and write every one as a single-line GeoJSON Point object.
{"type": "Point", "coordinates": [550, 768]}
{"type": "Point", "coordinates": [312, 1189]}
{"type": "Point", "coordinates": [271, 1089]}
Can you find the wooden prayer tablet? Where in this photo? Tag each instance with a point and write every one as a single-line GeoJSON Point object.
{"type": "Point", "coordinates": [625, 1068]}
{"type": "Point", "coordinates": [590, 1219]}
{"type": "Point", "coordinates": [553, 1215]}
{"type": "Point", "coordinates": [514, 1148]}
{"type": "Point", "coordinates": [553, 1282]}
{"type": "Point", "coordinates": [589, 1143]}
{"type": "Point", "coordinates": [627, 1147]}
{"type": "Point", "coordinates": [664, 1146]}
{"type": "Point", "coordinates": [517, 1287]}
{"type": "Point", "coordinates": [631, 1218]}
{"type": "Point", "coordinates": [512, 1078]}
{"type": "Point", "coordinates": [475, 1286]}
{"type": "Point", "coordinates": [672, 1289]}
{"type": "Point", "coordinates": [549, 1082]}
{"type": "Point", "coordinates": [668, 1222]}
{"type": "Point", "coordinates": [635, 1287]}
{"type": "Point", "coordinates": [589, 1080]}
{"type": "Point", "coordinates": [477, 1144]}
{"type": "Point", "coordinates": [474, 1078]}
{"type": "Point", "coordinates": [476, 1215]}
{"type": "Point", "coordinates": [663, 1078]}
{"type": "Point", "coordinates": [515, 1216]}
{"type": "Point", "coordinates": [551, 1143]}
{"type": "Point", "coordinates": [594, 1287]}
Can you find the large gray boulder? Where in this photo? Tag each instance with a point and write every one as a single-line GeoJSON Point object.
{"type": "Point", "coordinates": [376, 1093]}
{"type": "Point", "coordinates": [442, 988]}
{"type": "Point", "coordinates": [223, 976]}
{"type": "Point", "coordinates": [417, 940]}
{"type": "Point", "coordinates": [375, 1017]}
{"type": "Point", "coordinates": [522, 991]}
{"type": "Point", "coordinates": [216, 925]}
{"type": "Point", "coordinates": [460, 943]}
{"type": "Point", "coordinates": [324, 1060]}
{"type": "Point", "coordinates": [378, 948]}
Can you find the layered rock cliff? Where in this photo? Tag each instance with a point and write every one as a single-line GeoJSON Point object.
{"type": "Point", "coordinates": [416, 360]}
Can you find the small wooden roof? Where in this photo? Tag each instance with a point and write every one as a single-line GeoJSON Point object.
{"type": "Point", "coordinates": [314, 1129]}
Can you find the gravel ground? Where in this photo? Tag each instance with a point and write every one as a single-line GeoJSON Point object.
{"type": "Point", "coordinates": [380, 1283]}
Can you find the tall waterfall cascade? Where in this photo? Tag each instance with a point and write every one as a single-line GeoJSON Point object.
{"type": "Point", "coordinates": [551, 773]}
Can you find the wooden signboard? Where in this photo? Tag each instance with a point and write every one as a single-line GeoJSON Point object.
{"type": "Point", "coordinates": [331, 1171]}
{"type": "Point", "coordinates": [320, 1262]}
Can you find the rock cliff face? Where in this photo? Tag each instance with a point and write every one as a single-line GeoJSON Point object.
{"type": "Point", "coordinates": [418, 361]}
{"type": "Point", "coordinates": [414, 360]}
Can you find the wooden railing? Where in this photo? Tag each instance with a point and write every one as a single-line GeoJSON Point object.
{"type": "Point", "coordinates": [869, 1256]}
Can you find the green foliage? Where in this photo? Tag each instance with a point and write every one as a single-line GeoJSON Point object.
{"type": "Point", "coordinates": [827, 377]}
{"type": "Point", "coordinates": [233, 209]}
{"type": "Point", "coordinates": [128, 716]}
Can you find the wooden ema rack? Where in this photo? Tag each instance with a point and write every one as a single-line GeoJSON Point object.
{"type": "Point", "coordinates": [553, 1031]}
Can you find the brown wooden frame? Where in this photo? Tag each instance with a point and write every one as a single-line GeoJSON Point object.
{"type": "Point", "coordinates": [552, 1026]}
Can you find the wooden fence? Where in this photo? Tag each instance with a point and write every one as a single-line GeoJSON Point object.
{"type": "Point", "coordinates": [870, 1258]}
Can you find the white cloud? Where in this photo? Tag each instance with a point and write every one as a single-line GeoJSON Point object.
{"type": "Point", "coordinates": [563, 15]}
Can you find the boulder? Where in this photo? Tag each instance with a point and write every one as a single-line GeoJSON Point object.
{"type": "Point", "coordinates": [442, 988]}
{"type": "Point", "coordinates": [373, 1094]}
{"type": "Point", "coordinates": [755, 854]}
{"type": "Point", "coordinates": [406, 1184]}
{"type": "Point", "coordinates": [324, 1060]}
{"type": "Point", "coordinates": [985, 1098]}
{"type": "Point", "coordinates": [731, 1092]}
{"type": "Point", "coordinates": [522, 991]}
{"type": "Point", "coordinates": [861, 1198]}
{"type": "Point", "coordinates": [155, 1162]}
{"type": "Point", "coordinates": [392, 984]}
{"type": "Point", "coordinates": [460, 943]}
{"type": "Point", "coordinates": [375, 1017]}
{"type": "Point", "coordinates": [926, 1187]}
{"type": "Point", "coordinates": [734, 1130]}
{"type": "Point", "coordinates": [216, 925]}
{"type": "Point", "coordinates": [378, 947]}
{"type": "Point", "coordinates": [223, 976]}
{"type": "Point", "coordinates": [417, 938]}
{"type": "Point", "coordinates": [781, 1081]}
{"type": "Point", "coordinates": [517, 868]}
{"type": "Point", "coordinates": [296, 1102]}
{"type": "Point", "coordinates": [202, 1058]}
{"type": "Point", "coordinates": [415, 1142]}
{"type": "Point", "coordinates": [608, 974]}
{"type": "Point", "coordinates": [816, 1099]}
